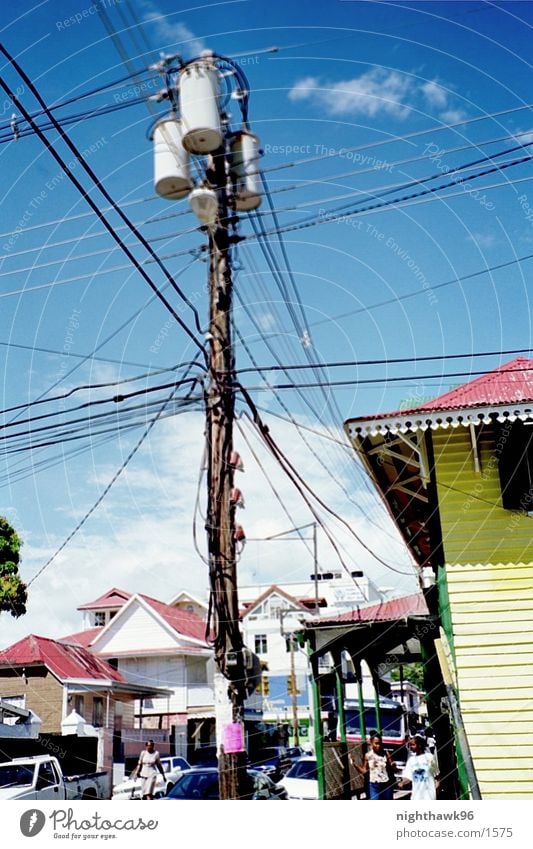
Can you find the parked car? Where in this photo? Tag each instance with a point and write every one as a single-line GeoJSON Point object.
{"type": "Point", "coordinates": [203, 783]}
{"type": "Point", "coordinates": [131, 787]}
{"type": "Point", "coordinates": [294, 753]}
{"type": "Point", "coordinates": [272, 761]}
{"type": "Point", "coordinates": [301, 781]}
{"type": "Point", "coordinates": [41, 777]}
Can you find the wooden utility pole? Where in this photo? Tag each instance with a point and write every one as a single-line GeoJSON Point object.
{"type": "Point", "coordinates": [220, 403]}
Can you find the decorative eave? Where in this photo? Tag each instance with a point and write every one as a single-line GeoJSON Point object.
{"type": "Point", "coordinates": [421, 421]}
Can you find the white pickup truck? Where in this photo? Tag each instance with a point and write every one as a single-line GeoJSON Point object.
{"type": "Point", "coordinates": [41, 777]}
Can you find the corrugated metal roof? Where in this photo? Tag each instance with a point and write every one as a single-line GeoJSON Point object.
{"type": "Point", "coordinates": [385, 611]}
{"type": "Point", "coordinates": [511, 383]}
{"type": "Point", "coordinates": [112, 598]}
{"type": "Point", "coordinates": [185, 623]}
{"type": "Point", "coordinates": [64, 661]}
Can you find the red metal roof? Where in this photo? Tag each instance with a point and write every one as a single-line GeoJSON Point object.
{"type": "Point", "coordinates": [511, 383]}
{"type": "Point", "coordinates": [64, 661]}
{"type": "Point", "coordinates": [185, 623]}
{"type": "Point", "coordinates": [82, 638]}
{"type": "Point", "coordinates": [112, 598]}
{"type": "Point", "coordinates": [385, 611]}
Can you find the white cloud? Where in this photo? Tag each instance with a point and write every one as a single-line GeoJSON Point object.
{"type": "Point", "coordinates": [435, 94]}
{"type": "Point", "coordinates": [452, 116]}
{"type": "Point", "coordinates": [377, 91]}
{"type": "Point", "coordinates": [483, 240]}
{"type": "Point", "coordinates": [303, 88]}
{"type": "Point", "coordinates": [173, 33]}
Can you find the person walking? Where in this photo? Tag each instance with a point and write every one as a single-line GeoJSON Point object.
{"type": "Point", "coordinates": [420, 771]}
{"type": "Point", "coordinates": [378, 767]}
{"type": "Point", "coordinates": [147, 768]}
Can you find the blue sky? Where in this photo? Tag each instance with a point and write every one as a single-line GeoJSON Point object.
{"type": "Point", "coordinates": [333, 108]}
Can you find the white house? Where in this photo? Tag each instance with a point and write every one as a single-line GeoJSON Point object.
{"type": "Point", "coordinates": [148, 640]}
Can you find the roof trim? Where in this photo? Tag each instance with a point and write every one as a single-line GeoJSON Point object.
{"type": "Point", "coordinates": [138, 599]}
{"type": "Point", "coordinates": [441, 420]}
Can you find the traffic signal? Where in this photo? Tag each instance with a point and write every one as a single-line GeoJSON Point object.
{"type": "Point", "coordinates": [264, 685]}
{"type": "Point", "coordinates": [292, 688]}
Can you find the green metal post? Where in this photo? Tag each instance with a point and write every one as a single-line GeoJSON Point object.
{"type": "Point", "coordinates": [317, 722]}
{"type": "Point", "coordinates": [377, 707]}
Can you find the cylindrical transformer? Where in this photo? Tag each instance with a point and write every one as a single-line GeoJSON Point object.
{"type": "Point", "coordinates": [172, 178]}
{"type": "Point", "coordinates": [199, 107]}
{"type": "Point", "coordinates": [244, 165]}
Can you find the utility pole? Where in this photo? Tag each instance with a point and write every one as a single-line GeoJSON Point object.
{"type": "Point", "coordinates": [220, 525]}
{"type": "Point", "coordinates": [199, 92]}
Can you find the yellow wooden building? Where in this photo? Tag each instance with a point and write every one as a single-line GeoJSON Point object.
{"type": "Point", "coordinates": [457, 476]}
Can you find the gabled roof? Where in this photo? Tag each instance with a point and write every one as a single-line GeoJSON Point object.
{"type": "Point", "coordinates": [506, 391]}
{"type": "Point", "coordinates": [184, 596]}
{"type": "Point", "coordinates": [185, 632]}
{"type": "Point", "coordinates": [249, 608]}
{"type": "Point", "coordinates": [82, 638]}
{"type": "Point", "coordinates": [184, 623]}
{"type": "Point", "coordinates": [62, 660]}
{"type": "Point", "coordinates": [385, 611]}
{"type": "Point", "coordinates": [112, 598]}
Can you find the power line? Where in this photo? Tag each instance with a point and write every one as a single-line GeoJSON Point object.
{"type": "Point", "coordinates": [336, 214]}
{"type": "Point", "coordinates": [101, 497]}
{"type": "Point", "coordinates": [107, 339]}
{"type": "Point", "coordinates": [392, 139]}
{"type": "Point", "coordinates": [301, 484]}
{"type": "Point", "coordinates": [108, 197]}
{"type": "Point", "coordinates": [386, 361]}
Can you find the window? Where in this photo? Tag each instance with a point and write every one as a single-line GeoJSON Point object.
{"type": "Point", "coordinates": [98, 711]}
{"type": "Point", "coordinates": [514, 450]}
{"type": "Point", "coordinates": [79, 705]}
{"type": "Point", "coordinates": [261, 646]}
{"type": "Point", "coordinates": [99, 618]}
{"type": "Point", "coordinates": [47, 776]}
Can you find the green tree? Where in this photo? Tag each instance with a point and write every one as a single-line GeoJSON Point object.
{"type": "Point", "coordinates": [413, 672]}
{"type": "Point", "coordinates": [13, 592]}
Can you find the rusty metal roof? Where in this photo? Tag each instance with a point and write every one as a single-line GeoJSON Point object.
{"type": "Point", "coordinates": [385, 611]}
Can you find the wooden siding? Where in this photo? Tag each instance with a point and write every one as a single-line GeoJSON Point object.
{"type": "Point", "coordinates": [138, 627]}
{"type": "Point", "coordinates": [475, 526]}
{"type": "Point", "coordinates": [493, 643]}
{"type": "Point", "coordinates": [489, 571]}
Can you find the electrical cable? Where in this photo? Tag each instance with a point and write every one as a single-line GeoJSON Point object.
{"type": "Point", "coordinates": [101, 497]}
{"type": "Point", "coordinates": [90, 386]}
{"type": "Point", "coordinates": [383, 191]}
{"type": "Point", "coordinates": [107, 339]}
{"type": "Point", "coordinates": [88, 405]}
{"type": "Point", "coordinates": [91, 275]}
{"type": "Point", "coordinates": [332, 216]}
{"type": "Point", "coordinates": [299, 482]}
{"type": "Point", "coordinates": [392, 139]}
{"type": "Point", "coordinates": [109, 199]}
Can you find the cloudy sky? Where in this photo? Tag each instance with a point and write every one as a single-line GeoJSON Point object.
{"type": "Point", "coordinates": [365, 112]}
